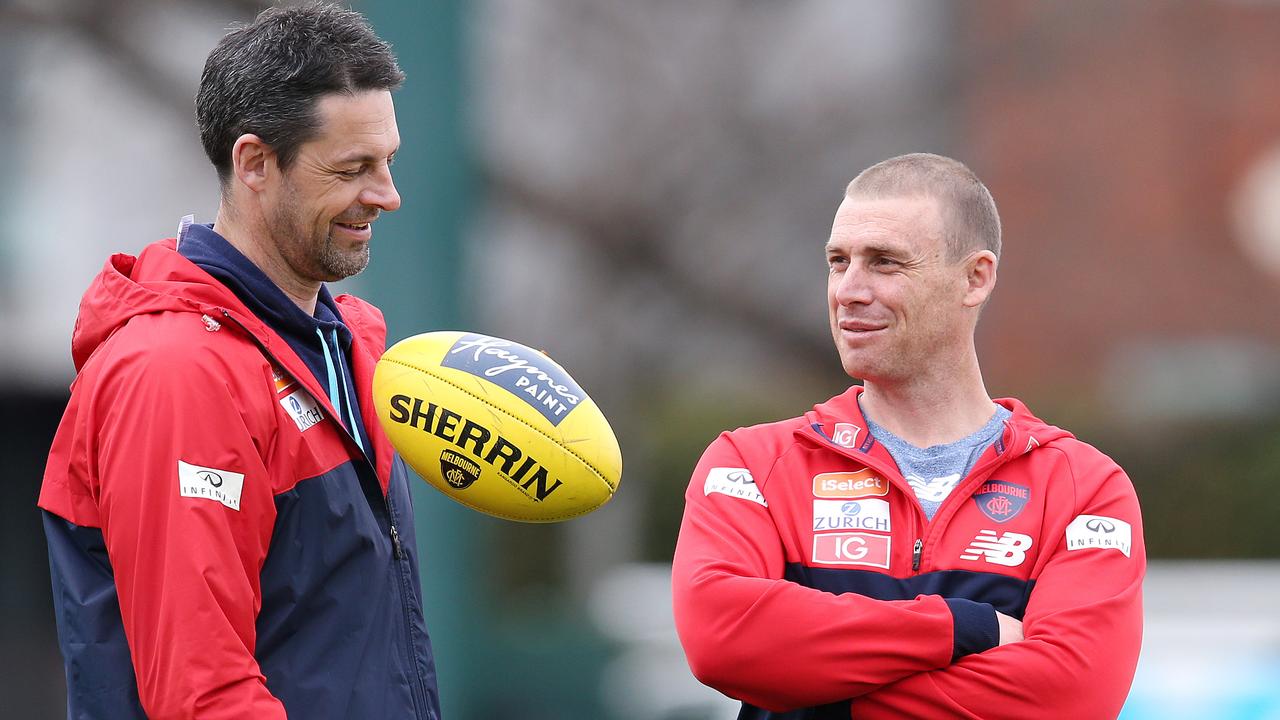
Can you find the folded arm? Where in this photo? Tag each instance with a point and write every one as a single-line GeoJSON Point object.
{"type": "Point", "coordinates": [1083, 631]}
{"type": "Point", "coordinates": [771, 642]}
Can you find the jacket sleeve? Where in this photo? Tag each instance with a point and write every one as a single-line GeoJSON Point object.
{"type": "Point", "coordinates": [1082, 632]}
{"type": "Point", "coordinates": [186, 509]}
{"type": "Point", "coordinates": [776, 644]}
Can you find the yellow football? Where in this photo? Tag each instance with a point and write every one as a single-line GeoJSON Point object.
{"type": "Point", "coordinates": [497, 426]}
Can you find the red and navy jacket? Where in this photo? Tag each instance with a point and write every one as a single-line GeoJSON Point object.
{"type": "Point", "coordinates": [808, 582]}
{"type": "Point", "coordinates": [220, 545]}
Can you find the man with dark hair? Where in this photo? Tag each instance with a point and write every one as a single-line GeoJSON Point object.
{"type": "Point", "coordinates": [230, 533]}
{"type": "Point", "coordinates": [911, 547]}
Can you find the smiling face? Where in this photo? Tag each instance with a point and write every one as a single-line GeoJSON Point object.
{"type": "Point", "coordinates": [318, 211]}
{"type": "Point", "coordinates": [900, 308]}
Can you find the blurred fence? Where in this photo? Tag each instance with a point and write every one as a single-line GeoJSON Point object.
{"type": "Point", "coordinates": [1211, 645]}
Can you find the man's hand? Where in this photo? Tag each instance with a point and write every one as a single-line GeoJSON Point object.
{"type": "Point", "coordinates": [1010, 629]}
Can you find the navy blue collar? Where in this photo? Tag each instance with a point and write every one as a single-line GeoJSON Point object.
{"type": "Point", "coordinates": [202, 245]}
{"type": "Point", "coordinates": [322, 340]}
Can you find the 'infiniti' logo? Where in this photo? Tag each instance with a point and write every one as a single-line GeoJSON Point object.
{"type": "Point", "coordinates": [1099, 532]}
{"type": "Point", "coordinates": [206, 483]}
{"type": "Point", "coordinates": [1100, 525]}
{"type": "Point", "coordinates": [734, 482]}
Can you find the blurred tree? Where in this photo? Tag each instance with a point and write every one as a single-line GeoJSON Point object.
{"type": "Point", "coordinates": [117, 31]}
{"type": "Point", "coordinates": [661, 180]}
{"type": "Point", "coordinates": [1210, 491]}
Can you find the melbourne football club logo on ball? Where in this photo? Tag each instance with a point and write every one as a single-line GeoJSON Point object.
{"type": "Point", "coordinates": [497, 426]}
{"type": "Point", "coordinates": [458, 471]}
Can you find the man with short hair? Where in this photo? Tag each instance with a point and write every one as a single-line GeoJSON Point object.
{"type": "Point", "coordinates": [230, 532]}
{"type": "Point", "coordinates": [911, 548]}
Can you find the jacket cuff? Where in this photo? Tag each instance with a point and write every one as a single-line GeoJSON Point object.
{"type": "Point", "coordinates": [974, 628]}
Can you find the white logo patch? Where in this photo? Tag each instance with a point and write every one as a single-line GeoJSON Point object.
{"type": "Point", "coordinates": [1097, 531]}
{"type": "Point", "coordinates": [845, 435]}
{"type": "Point", "coordinates": [735, 482]}
{"type": "Point", "coordinates": [302, 408]}
{"type": "Point", "coordinates": [224, 486]}
{"type": "Point", "coordinates": [869, 514]}
{"type": "Point", "coordinates": [1009, 549]}
{"type": "Point", "coordinates": [852, 548]}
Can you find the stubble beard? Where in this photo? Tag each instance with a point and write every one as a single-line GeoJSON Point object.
{"type": "Point", "coordinates": [887, 359]}
{"type": "Point", "coordinates": [903, 361]}
{"type": "Point", "coordinates": [339, 263]}
{"type": "Point", "coordinates": [312, 252]}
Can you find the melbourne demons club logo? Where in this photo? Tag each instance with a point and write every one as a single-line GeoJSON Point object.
{"type": "Point", "coordinates": [1001, 501]}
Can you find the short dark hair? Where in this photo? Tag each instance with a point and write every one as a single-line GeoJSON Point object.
{"type": "Point", "coordinates": [264, 78]}
{"type": "Point", "coordinates": [968, 210]}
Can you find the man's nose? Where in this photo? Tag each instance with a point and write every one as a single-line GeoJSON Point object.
{"type": "Point", "coordinates": [852, 287]}
{"type": "Point", "coordinates": [381, 192]}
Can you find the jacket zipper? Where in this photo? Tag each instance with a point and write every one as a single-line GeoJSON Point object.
{"type": "Point", "coordinates": [419, 688]}
{"type": "Point", "coordinates": [395, 542]}
{"type": "Point", "coordinates": [386, 504]}
{"type": "Point", "coordinates": [964, 491]}
{"type": "Point", "coordinates": [419, 700]}
{"type": "Point", "coordinates": [874, 464]}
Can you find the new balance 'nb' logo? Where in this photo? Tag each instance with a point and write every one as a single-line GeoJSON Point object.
{"type": "Point", "coordinates": [1008, 549]}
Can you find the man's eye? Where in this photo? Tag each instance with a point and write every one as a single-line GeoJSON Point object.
{"type": "Point", "coordinates": [349, 173]}
{"type": "Point", "coordinates": [883, 261]}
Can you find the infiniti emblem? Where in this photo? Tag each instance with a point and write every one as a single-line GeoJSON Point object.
{"type": "Point", "coordinates": [1098, 524]}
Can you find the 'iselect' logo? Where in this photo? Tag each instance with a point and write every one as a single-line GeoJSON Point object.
{"type": "Point", "coordinates": [850, 485]}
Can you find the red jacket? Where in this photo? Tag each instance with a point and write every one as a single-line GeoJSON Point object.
{"type": "Point", "coordinates": [807, 576]}
{"type": "Point", "coordinates": [204, 504]}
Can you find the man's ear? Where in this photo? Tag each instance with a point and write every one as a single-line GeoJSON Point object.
{"type": "Point", "coordinates": [980, 277]}
{"type": "Point", "coordinates": [252, 161]}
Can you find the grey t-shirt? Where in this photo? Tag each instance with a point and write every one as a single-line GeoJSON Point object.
{"type": "Point", "coordinates": [933, 472]}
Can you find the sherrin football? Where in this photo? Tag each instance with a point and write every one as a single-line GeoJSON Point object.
{"type": "Point", "coordinates": [497, 426]}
